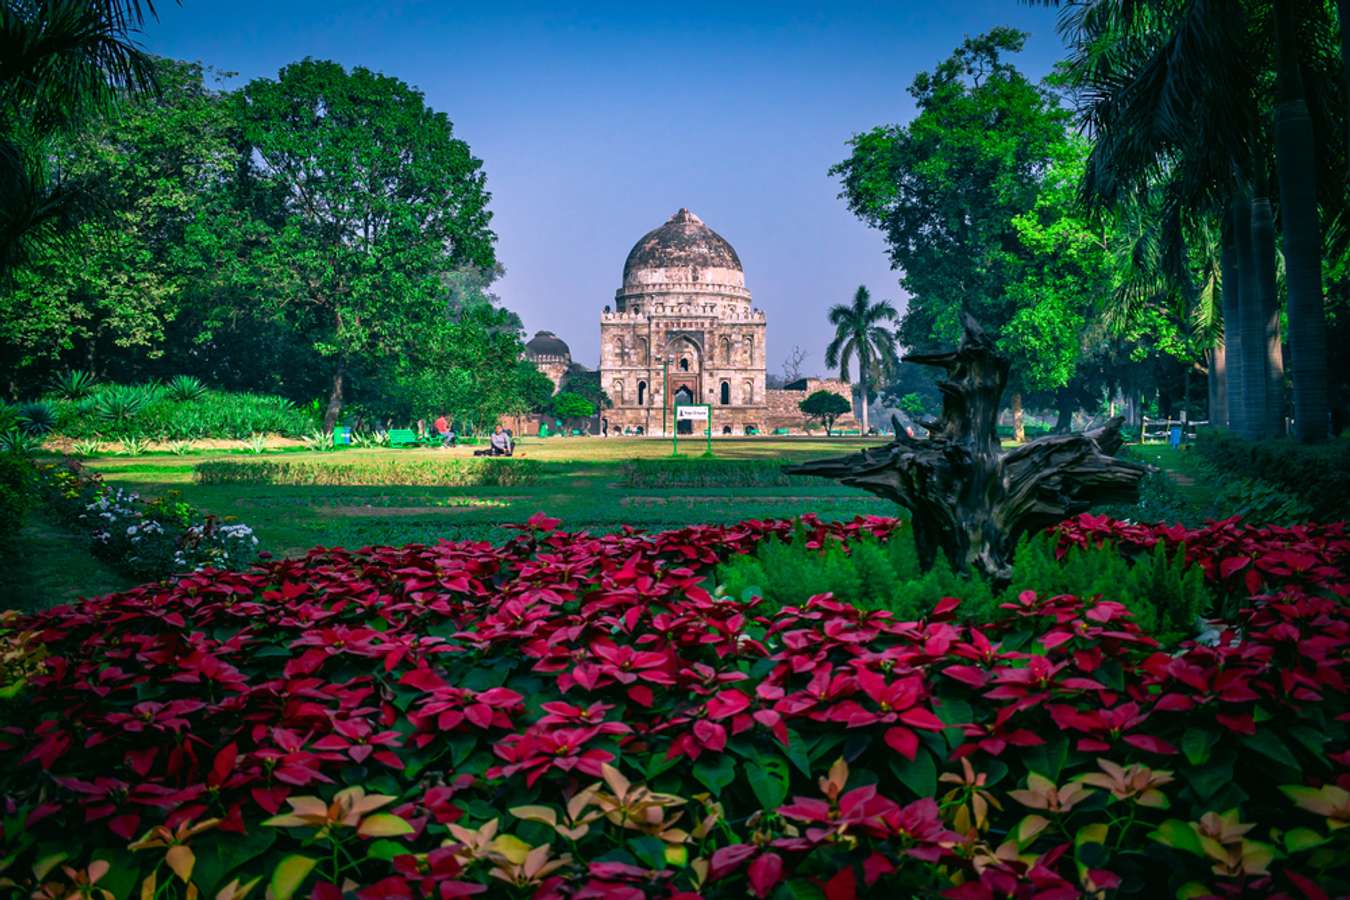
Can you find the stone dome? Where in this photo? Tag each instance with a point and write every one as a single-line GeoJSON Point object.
{"type": "Point", "coordinates": [546, 343]}
{"type": "Point", "coordinates": [683, 249]}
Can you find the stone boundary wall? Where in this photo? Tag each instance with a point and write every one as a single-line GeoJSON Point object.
{"type": "Point", "coordinates": [784, 405]}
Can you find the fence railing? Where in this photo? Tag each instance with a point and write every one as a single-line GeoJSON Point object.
{"type": "Point", "coordinates": [1160, 431]}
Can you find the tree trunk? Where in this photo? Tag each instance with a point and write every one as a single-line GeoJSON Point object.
{"type": "Point", "coordinates": [330, 415]}
{"type": "Point", "coordinates": [1294, 155]}
{"type": "Point", "coordinates": [864, 405]}
{"type": "Point", "coordinates": [1216, 383]}
{"type": "Point", "coordinates": [1263, 245]}
{"type": "Point", "coordinates": [1019, 426]}
{"type": "Point", "coordinates": [1343, 8]}
{"type": "Point", "coordinates": [1255, 385]}
{"type": "Point", "coordinates": [1064, 408]}
{"type": "Point", "coordinates": [1232, 329]}
{"type": "Point", "coordinates": [968, 499]}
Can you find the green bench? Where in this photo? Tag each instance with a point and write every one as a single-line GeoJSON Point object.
{"type": "Point", "coordinates": [780, 431]}
{"type": "Point", "coordinates": [404, 437]}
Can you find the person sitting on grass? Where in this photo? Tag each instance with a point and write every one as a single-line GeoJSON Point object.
{"type": "Point", "coordinates": [442, 426]}
{"type": "Point", "coordinates": [500, 442]}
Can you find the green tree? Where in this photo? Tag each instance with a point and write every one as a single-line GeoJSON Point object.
{"type": "Point", "coordinates": [946, 188]}
{"type": "Point", "coordinates": [825, 407]}
{"type": "Point", "coordinates": [536, 388]}
{"type": "Point", "coordinates": [62, 64]}
{"type": "Point", "coordinates": [378, 201]}
{"type": "Point", "coordinates": [1182, 91]}
{"type": "Point", "coordinates": [569, 406]}
{"type": "Point", "coordinates": [103, 298]}
{"type": "Point", "coordinates": [859, 332]}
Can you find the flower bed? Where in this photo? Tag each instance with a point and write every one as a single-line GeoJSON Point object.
{"type": "Point", "coordinates": [576, 716]}
{"type": "Point", "coordinates": [145, 539]}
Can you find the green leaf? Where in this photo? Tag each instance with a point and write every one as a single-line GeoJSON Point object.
{"type": "Point", "coordinates": [715, 775]}
{"type": "Point", "coordinates": [1196, 743]}
{"type": "Point", "coordinates": [1299, 839]}
{"type": "Point", "coordinates": [1208, 780]}
{"type": "Point", "coordinates": [1312, 739]}
{"type": "Point", "coordinates": [796, 753]}
{"type": "Point", "coordinates": [1268, 744]}
{"type": "Point", "coordinates": [768, 777]}
{"type": "Point", "coordinates": [919, 774]}
{"type": "Point", "coordinates": [289, 874]}
{"type": "Point", "coordinates": [383, 825]}
{"type": "Point", "coordinates": [651, 850]}
{"type": "Point", "coordinates": [1178, 834]}
{"type": "Point", "coordinates": [1048, 759]}
{"type": "Point", "coordinates": [953, 710]}
{"type": "Point", "coordinates": [385, 849]}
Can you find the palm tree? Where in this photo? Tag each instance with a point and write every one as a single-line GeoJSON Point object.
{"type": "Point", "coordinates": [859, 332]}
{"type": "Point", "coordinates": [60, 62]}
{"type": "Point", "coordinates": [1177, 86]}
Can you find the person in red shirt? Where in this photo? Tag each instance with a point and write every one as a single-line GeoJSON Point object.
{"type": "Point", "coordinates": [442, 426]}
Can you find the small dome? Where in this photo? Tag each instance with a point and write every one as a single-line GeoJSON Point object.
{"type": "Point", "coordinates": [546, 343]}
{"type": "Point", "coordinates": [683, 242]}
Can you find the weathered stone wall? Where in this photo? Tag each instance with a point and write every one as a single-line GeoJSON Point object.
{"type": "Point", "coordinates": [555, 367]}
{"type": "Point", "coordinates": [784, 410]}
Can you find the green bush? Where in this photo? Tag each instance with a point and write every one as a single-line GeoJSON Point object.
{"type": "Point", "coordinates": [1164, 594]}
{"type": "Point", "coordinates": [18, 493]}
{"type": "Point", "coordinates": [73, 384]}
{"type": "Point", "coordinates": [374, 471]}
{"type": "Point", "coordinates": [1318, 474]}
{"type": "Point", "coordinates": [695, 472]}
{"type": "Point", "coordinates": [36, 419]}
{"type": "Point", "coordinates": [183, 411]}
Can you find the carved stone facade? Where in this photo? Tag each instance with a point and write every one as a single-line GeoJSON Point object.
{"type": "Point", "coordinates": [683, 328]}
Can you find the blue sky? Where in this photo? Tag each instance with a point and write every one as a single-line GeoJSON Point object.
{"type": "Point", "coordinates": [596, 121]}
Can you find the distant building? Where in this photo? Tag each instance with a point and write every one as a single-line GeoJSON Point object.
{"type": "Point", "coordinates": [683, 331]}
{"type": "Point", "coordinates": [550, 354]}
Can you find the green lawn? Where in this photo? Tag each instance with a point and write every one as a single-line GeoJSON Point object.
{"type": "Point", "coordinates": [585, 493]}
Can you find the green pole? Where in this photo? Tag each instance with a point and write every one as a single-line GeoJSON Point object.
{"type": "Point", "coordinates": [709, 452]}
{"type": "Point", "coordinates": [665, 370]}
{"type": "Point", "coordinates": [675, 438]}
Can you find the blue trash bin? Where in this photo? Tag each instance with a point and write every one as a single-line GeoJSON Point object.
{"type": "Point", "coordinates": [1174, 436]}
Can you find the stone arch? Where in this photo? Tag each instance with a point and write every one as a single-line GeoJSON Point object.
{"type": "Point", "coordinates": [643, 351]}
{"type": "Point", "coordinates": [725, 395]}
{"type": "Point", "coordinates": [642, 393]}
{"type": "Point", "coordinates": [618, 391]}
{"type": "Point", "coordinates": [725, 345]}
{"type": "Point", "coordinates": [748, 393]}
{"type": "Point", "coordinates": [750, 350]}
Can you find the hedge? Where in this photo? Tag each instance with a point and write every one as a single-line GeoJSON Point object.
{"type": "Point", "coordinates": [662, 473]}
{"type": "Point", "coordinates": [1318, 474]}
{"type": "Point", "coordinates": [372, 472]}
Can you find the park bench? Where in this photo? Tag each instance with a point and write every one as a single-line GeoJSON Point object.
{"type": "Point", "coordinates": [403, 437]}
{"type": "Point", "coordinates": [342, 436]}
{"type": "Point", "coordinates": [780, 431]}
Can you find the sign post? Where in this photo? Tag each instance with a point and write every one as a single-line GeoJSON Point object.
{"type": "Point", "coordinates": [692, 412]}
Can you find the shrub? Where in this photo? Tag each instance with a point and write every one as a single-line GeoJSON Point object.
{"type": "Point", "coordinates": [1163, 593]}
{"type": "Point", "coordinates": [185, 389]}
{"type": "Point", "coordinates": [381, 470]}
{"type": "Point", "coordinates": [73, 384]}
{"type": "Point", "coordinates": [1318, 474]}
{"type": "Point", "coordinates": [568, 715]}
{"type": "Point", "coordinates": [825, 407]}
{"type": "Point", "coordinates": [18, 495]}
{"type": "Point", "coordinates": [698, 472]}
{"type": "Point", "coordinates": [153, 412]}
{"type": "Point", "coordinates": [36, 419]}
{"type": "Point", "coordinates": [117, 407]}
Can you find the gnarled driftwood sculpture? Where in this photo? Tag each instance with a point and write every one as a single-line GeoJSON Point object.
{"type": "Point", "coordinates": [968, 498]}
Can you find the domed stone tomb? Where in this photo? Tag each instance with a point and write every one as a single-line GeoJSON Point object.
{"type": "Point", "coordinates": [550, 355]}
{"type": "Point", "coordinates": [683, 329]}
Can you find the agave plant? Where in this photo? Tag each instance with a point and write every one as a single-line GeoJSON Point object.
{"type": "Point", "coordinates": [319, 440]}
{"type": "Point", "coordinates": [185, 389]}
{"type": "Point", "coordinates": [119, 404]}
{"type": "Point", "coordinates": [256, 443]}
{"type": "Point", "coordinates": [16, 441]}
{"type": "Point", "coordinates": [87, 448]}
{"type": "Point", "coordinates": [73, 384]}
{"type": "Point", "coordinates": [180, 448]}
{"type": "Point", "coordinates": [36, 419]}
{"type": "Point", "coordinates": [134, 446]}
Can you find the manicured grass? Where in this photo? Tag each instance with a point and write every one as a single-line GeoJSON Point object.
{"type": "Point", "coordinates": [50, 565]}
{"type": "Point", "coordinates": [582, 484]}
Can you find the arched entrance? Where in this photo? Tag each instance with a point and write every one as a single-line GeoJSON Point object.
{"type": "Point", "coordinates": [683, 395]}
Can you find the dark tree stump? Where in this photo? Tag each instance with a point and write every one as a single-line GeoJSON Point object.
{"type": "Point", "coordinates": [967, 497]}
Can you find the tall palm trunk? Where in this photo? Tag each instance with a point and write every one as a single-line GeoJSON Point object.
{"type": "Point", "coordinates": [1263, 247]}
{"type": "Point", "coordinates": [1216, 362]}
{"type": "Point", "coordinates": [330, 415]}
{"type": "Point", "coordinates": [1019, 426]}
{"type": "Point", "coordinates": [863, 391]}
{"type": "Point", "coordinates": [1232, 328]}
{"type": "Point", "coordinates": [1254, 383]}
{"type": "Point", "coordinates": [1294, 154]}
